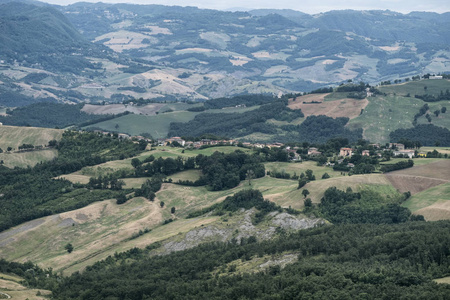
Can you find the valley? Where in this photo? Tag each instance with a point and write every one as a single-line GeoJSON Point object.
{"type": "Point", "coordinates": [169, 152]}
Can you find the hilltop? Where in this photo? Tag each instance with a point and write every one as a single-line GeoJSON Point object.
{"type": "Point", "coordinates": [116, 52]}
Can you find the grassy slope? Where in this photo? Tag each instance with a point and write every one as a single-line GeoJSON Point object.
{"type": "Point", "coordinates": [10, 284]}
{"type": "Point", "coordinates": [25, 159]}
{"type": "Point", "coordinates": [417, 87]}
{"type": "Point", "coordinates": [384, 114]}
{"type": "Point", "coordinates": [157, 126]}
{"type": "Point", "coordinates": [13, 136]}
{"type": "Point", "coordinates": [387, 113]}
{"type": "Point", "coordinates": [433, 204]}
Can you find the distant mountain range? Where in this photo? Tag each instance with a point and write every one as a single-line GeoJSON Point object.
{"type": "Point", "coordinates": [113, 52]}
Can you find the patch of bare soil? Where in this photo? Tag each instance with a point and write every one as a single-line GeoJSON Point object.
{"type": "Point", "coordinates": [420, 178]}
{"type": "Point", "coordinates": [314, 104]}
{"type": "Point", "coordinates": [413, 184]}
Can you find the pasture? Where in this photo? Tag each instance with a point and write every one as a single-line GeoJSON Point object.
{"type": "Point", "coordinates": [14, 136]}
{"type": "Point", "coordinates": [25, 159]}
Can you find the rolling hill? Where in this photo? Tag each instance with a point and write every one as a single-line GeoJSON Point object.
{"type": "Point", "coordinates": [116, 52]}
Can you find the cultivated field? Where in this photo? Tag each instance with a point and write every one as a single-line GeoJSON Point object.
{"type": "Point", "coordinates": [439, 169]}
{"type": "Point", "coordinates": [24, 159]}
{"type": "Point", "coordinates": [10, 287]}
{"type": "Point", "coordinates": [346, 107]}
{"type": "Point", "coordinates": [13, 136]}
{"type": "Point", "coordinates": [432, 203]}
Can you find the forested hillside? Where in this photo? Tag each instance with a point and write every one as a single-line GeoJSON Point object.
{"type": "Point", "coordinates": [342, 261]}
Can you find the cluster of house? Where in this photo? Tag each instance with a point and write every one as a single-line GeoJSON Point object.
{"type": "Point", "coordinates": [398, 150]}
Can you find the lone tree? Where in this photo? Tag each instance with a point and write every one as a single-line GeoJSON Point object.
{"type": "Point", "coordinates": [250, 175]}
{"type": "Point", "coordinates": [172, 210]}
{"type": "Point", "coordinates": [69, 247]}
{"type": "Point", "coordinates": [305, 193]}
{"type": "Point", "coordinates": [161, 203]}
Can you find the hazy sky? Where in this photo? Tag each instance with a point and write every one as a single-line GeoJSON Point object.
{"type": "Point", "coordinates": [308, 6]}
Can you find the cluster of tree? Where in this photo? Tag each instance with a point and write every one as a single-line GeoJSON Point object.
{"type": "Point", "coordinates": [245, 199]}
{"type": "Point", "coordinates": [320, 129]}
{"type": "Point", "coordinates": [224, 171]}
{"type": "Point", "coordinates": [348, 261]}
{"type": "Point", "coordinates": [421, 112]}
{"type": "Point", "coordinates": [357, 95]}
{"type": "Point", "coordinates": [434, 98]}
{"type": "Point", "coordinates": [26, 147]}
{"type": "Point", "coordinates": [164, 166]}
{"type": "Point", "coordinates": [427, 135]}
{"type": "Point", "coordinates": [237, 124]}
{"type": "Point", "coordinates": [397, 166]}
{"type": "Point", "coordinates": [322, 90]}
{"type": "Point", "coordinates": [282, 174]}
{"type": "Point", "coordinates": [105, 182]}
{"type": "Point", "coordinates": [347, 207]}
{"type": "Point", "coordinates": [351, 87]}
{"type": "Point", "coordinates": [31, 193]}
{"type": "Point", "coordinates": [306, 177]}
{"type": "Point", "coordinates": [149, 188]}
{"type": "Point", "coordinates": [436, 154]}
{"type": "Point", "coordinates": [51, 115]}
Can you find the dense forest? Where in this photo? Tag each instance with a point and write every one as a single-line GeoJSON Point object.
{"type": "Point", "coordinates": [51, 115]}
{"type": "Point", "coordinates": [427, 135]}
{"type": "Point", "coordinates": [361, 261]}
{"type": "Point", "coordinates": [30, 193]}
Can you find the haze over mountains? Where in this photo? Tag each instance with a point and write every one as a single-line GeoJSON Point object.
{"type": "Point", "coordinates": [113, 52]}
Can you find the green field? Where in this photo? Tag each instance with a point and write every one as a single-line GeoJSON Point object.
{"type": "Point", "coordinates": [428, 197]}
{"type": "Point", "coordinates": [384, 114]}
{"type": "Point", "coordinates": [24, 159]}
{"type": "Point", "coordinates": [13, 136]}
{"type": "Point", "coordinates": [434, 87]}
{"type": "Point", "coordinates": [443, 120]}
{"type": "Point", "coordinates": [157, 126]}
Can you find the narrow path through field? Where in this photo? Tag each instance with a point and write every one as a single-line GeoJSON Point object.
{"type": "Point", "coordinates": [6, 295]}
